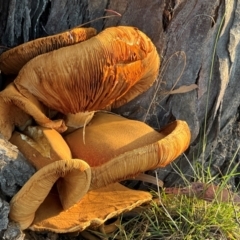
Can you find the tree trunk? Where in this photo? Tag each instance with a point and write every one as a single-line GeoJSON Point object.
{"type": "Point", "coordinates": [198, 42]}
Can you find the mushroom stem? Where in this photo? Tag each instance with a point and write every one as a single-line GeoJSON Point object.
{"type": "Point", "coordinates": [78, 120]}
{"type": "Point", "coordinates": [132, 163]}
{"type": "Point", "coordinates": [74, 180]}
{"type": "Point", "coordinates": [149, 179]}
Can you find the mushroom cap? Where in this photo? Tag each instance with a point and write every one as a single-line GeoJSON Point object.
{"type": "Point", "coordinates": [92, 210]}
{"type": "Point", "coordinates": [118, 148]}
{"type": "Point", "coordinates": [41, 146]}
{"type": "Point", "coordinates": [149, 157]}
{"type": "Point", "coordinates": [93, 74]}
{"type": "Point", "coordinates": [14, 59]}
{"type": "Point", "coordinates": [74, 176]}
{"type": "Point", "coordinates": [107, 136]}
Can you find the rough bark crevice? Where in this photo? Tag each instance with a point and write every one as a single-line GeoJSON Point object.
{"type": "Point", "coordinates": [168, 13]}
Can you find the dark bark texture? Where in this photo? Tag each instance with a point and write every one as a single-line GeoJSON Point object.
{"type": "Point", "coordinates": [199, 43]}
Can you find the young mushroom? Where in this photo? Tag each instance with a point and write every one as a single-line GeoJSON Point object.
{"type": "Point", "coordinates": [109, 69]}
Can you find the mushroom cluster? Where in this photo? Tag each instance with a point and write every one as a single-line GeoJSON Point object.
{"type": "Point", "coordinates": [79, 170]}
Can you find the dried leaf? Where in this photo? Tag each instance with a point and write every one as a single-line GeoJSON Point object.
{"type": "Point", "coordinates": [184, 89]}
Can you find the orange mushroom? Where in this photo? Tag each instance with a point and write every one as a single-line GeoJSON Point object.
{"type": "Point", "coordinates": [93, 74]}
{"type": "Point", "coordinates": [138, 148]}
{"type": "Point", "coordinates": [16, 108]}
{"type": "Point", "coordinates": [109, 69]}
{"type": "Point", "coordinates": [14, 59]}
{"type": "Point", "coordinates": [95, 208]}
{"type": "Point", "coordinates": [39, 206]}
{"type": "Point", "coordinates": [117, 148]}
{"type": "Point", "coordinates": [42, 147]}
{"type": "Point", "coordinates": [109, 135]}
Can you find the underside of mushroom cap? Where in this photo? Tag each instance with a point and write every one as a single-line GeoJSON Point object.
{"type": "Point", "coordinates": [140, 53]}
{"type": "Point", "coordinates": [30, 106]}
{"type": "Point", "coordinates": [93, 74]}
{"type": "Point", "coordinates": [75, 178]}
{"type": "Point", "coordinates": [92, 211]}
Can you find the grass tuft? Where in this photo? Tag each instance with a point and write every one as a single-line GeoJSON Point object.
{"type": "Point", "coordinates": [179, 216]}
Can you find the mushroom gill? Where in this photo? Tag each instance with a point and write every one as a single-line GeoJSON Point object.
{"type": "Point", "coordinates": [106, 70]}
{"type": "Point", "coordinates": [95, 208]}
{"type": "Point", "coordinates": [92, 74]}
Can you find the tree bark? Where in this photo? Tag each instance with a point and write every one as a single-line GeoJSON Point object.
{"type": "Point", "coordinates": [198, 42]}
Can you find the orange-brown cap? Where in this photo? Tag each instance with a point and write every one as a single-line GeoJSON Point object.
{"type": "Point", "coordinates": [14, 59]}
{"type": "Point", "coordinates": [109, 69]}
{"type": "Point", "coordinates": [117, 148]}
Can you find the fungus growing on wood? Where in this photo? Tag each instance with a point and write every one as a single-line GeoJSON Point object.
{"type": "Point", "coordinates": [41, 146]}
{"type": "Point", "coordinates": [73, 180]}
{"type": "Point", "coordinates": [117, 148]}
{"type": "Point", "coordinates": [14, 59]}
{"type": "Point", "coordinates": [109, 69]}
{"type": "Point", "coordinates": [39, 207]}
{"type": "Point", "coordinates": [104, 197]}
{"type": "Point", "coordinates": [93, 74]}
